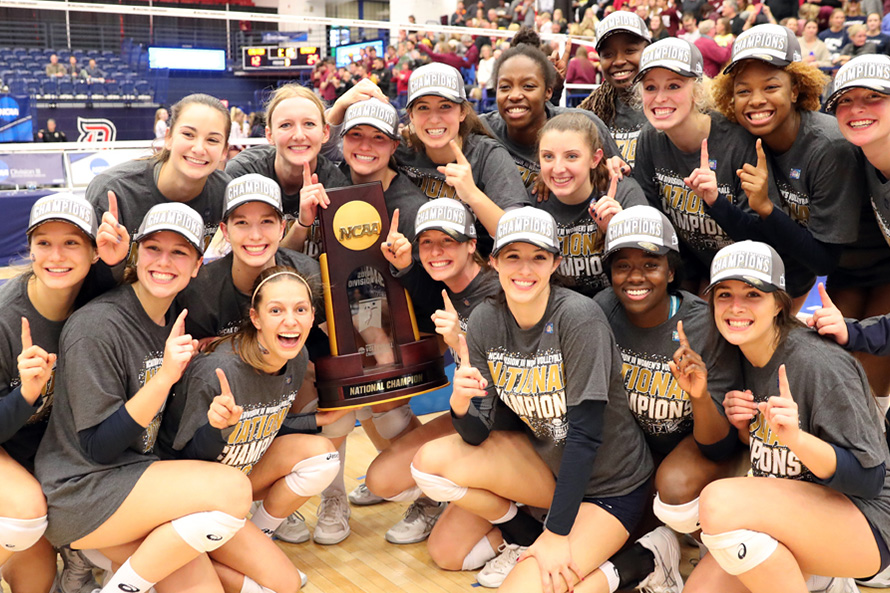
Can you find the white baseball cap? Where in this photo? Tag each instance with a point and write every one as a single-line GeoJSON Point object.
{"type": "Point", "coordinates": [64, 207]}
{"type": "Point", "coordinates": [436, 79]}
{"type": "Point", "coordinates": [447, 215]}
{"type": "Point", "coordinates": [526, 225]}
{"type": "Point", "coordinates": [641, 227]}
{"type": "Point", "coordinates": [252, 187]}
{"type": "Point", "coordinates": [174, 217]}
{"type": "Point", "coordinates": [752, 262]}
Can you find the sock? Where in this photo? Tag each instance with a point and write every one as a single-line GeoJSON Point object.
{"type": "Point", "coordinates": [511, 512]}
{"type": "Point", "coordinates": [266, 522]}
{"type": "Point", "coordinates": [338, 486]}
{"type": "Point", "coordinates": [521, 529]}
{"type": "Point", "coordinates": [611, 574]}
{"type": "Point", "coordinates": [633, 565]}
{"type": "Point", "coordinates": [818, 583]}
{"type": "Point", "coordinates": [126, 579]}
{"type": "Point", "coordinates": [481, 553]}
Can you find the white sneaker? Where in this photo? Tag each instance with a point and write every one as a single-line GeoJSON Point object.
{"type": "Point", "coordinates": [77, 573]}
{"type": "Point", "coordinates": [304, 580]}
{"type": "Point", "coordinates": [839, 585]}
{"type": "Point", "coordinates": [363, 497]}
{"type": "Point", "coordinates": [418, 522]}
{"type": "Point", "coordinates": [665, 578]}
{"type": "Point", "coordinates": [496, 570]}
{"type": "Point", "coordinates": [293, 530]}
{"type": "Point", "coordinates": [333, 520]}
{"type": "Point", "coordinates": [879, 581]}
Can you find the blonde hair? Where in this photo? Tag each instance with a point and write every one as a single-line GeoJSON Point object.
{"type": "Point", "coordinates": [292, 91]}
{"type": "Point", "coordinates": [856, 29]}
{"type": "Point", "coordinates": [701, 97]}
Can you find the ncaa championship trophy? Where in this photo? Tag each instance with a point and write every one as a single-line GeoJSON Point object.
{"type": "Point", "coordinates": [377, 354]}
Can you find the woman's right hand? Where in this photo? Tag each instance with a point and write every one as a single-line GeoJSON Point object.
{"type": "Point", "coordinates": [688, 368]}
{"type": "Point", "coordinates": [468, 381]}
{"type": "Point", "coordinates": [363, 90]}
{"type": "Point", "coordinates": [223, 411]}
{"type": "Point", "coordinates": [35, 366]}
{"type": "Point", "coordinates": [703, 180]}
{"type": "Point", "coordinates": [755, 181]}
{"type": "Point", "coordinates": [447, 323]}
{"type": "Point", "coordinates": [740, 408]}
{"type": "Point", "coordinates": [829, 321]}
{"type": "Point", "coordinates": [312, 195]}
{"type": "Point", "coordinates": [178, 351]}
{"type": "Point", "coordinates": [397, 248]}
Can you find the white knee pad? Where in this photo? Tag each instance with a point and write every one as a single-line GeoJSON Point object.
{"type": "Point", "coordinates": [436, 487]}
{"type": "Point", "coordinates": [682, 518]}
{"type": "Point", "coordinates": [311, 476]}
{"type": "Point", "coordinates": [207, 531]}
{"type": "Point", "coordinates": [340, 428]}
{"type": "Point", "coordinates": [251, 586]}
{"type": "Point", "coordinates": [741, 550]}
{"type": "Point", "coordinates": [409, 495]}
{"type": "Point", "coordinates": [391, 424]}
{"type": "Point", "coordinates": [20, 534]}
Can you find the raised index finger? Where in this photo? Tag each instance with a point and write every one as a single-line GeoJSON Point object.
{"type": "Point", "coordinates": [784, 387]}
{"type": "Point", "coordinates": [224, 388]}
{"type": "Point", "coordinates": [761, 156]}
{"type": "Point", "coordinates": [463, 351]}
{"type": "Point", "coordinates": [823, 294]}
{"type": "Point", "coordinates": [613, 187]}
{"type": "Point", "coordinates": [394, 223]}
{"type": "Point", "coordinates": [307, 175]}
{"type": "Point", "coordinates": [112, 205]}
{"type": "Point", "coordinates": [705, 161]}
{"type": "Point", "coordinates": [448, 306]}
{"type": "Point", "coordinates": [684, 341]}
{"type": "Point", "coordinates": [26, 334]}
{"type": "Point", "coordinates": [179, 325]}
{"type": "Point", "coordinates": [458, 153]}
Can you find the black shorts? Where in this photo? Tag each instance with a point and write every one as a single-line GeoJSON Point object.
{"type": "Point", "coordinates": [629, 508]}
{"type": "Point", "coordinates": [882, 549]}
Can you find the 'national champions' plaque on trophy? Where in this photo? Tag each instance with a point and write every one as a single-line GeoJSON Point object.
{"type": "Point", "coordinates": [377, 354]}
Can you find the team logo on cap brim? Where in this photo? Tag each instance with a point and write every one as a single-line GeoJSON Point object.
{"type": "Point", "coordinates": [753, 281]}
{"type": "Point", "coordinates": [648, 246]}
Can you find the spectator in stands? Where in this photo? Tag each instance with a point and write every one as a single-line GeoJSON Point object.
{"type": "Point", "coordinates": [447, 55]}
{"type": "Point", "coordinates": [581, 69]}
{"type": "Point", "coordinates": [54, 68]}
{"type": "Point", "coordinates": [723, 32]}
{"type": "Point", "coordinates": [835, 36]}
{"type": "Point", "coordinates": [327, 81]}
{"type": "Point", "coordinates": [484, 69]}
{"type": "Point", "coordinates": [736, 21]}
{"type": "Point", "coordinates": [692, 7]}
{"type": "Point", "coordinates": [458, 19]}
{"type": "Point", "coordinates": [875, 37]}
{"type": "Point", "coordinates": [758, 14]}
{"type": "Point", "coordinates": [402, 77]}
{"type": "Point", "coordinates": [853, 12]}
{"type": "Point", "coordinates": [590, 20]}
{"type": "Point", "coordinates": [382, 76]}
{"type": "Point", "coordinates": [346, 82]}
{"type": "Point", "coordinates": [873, 7]}
{"type": "Point", "coordinates": [73, 68]}
{"type": "Point", "coordinates": [812, 48]}
{"type": "Point", "coordinates": [161, 117]}
{"type": "Point", "coordinates": [690, 28]}
{"type": "Point", "coordinates": [714, 56]}
{"type": "Point", "coordinates": [657, 28]}
{"type": "Point", "coordinates": [858, 45]}
{"type": "Point", "coordinates": [51, 134]}
{"type": "Point", "coordinates": [92, 71]}
{"type": "Point", "coordinates": [257, 122]}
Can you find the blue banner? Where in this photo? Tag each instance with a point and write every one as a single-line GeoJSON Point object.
{"type": "Point", "coordinates": [16, 123]}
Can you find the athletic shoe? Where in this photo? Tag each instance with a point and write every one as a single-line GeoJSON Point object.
{"type": "Point", "coordinates": [879, 581]}
{"type": "Point", "coordinates": [77, 573]}
{"type": "Point", "coordinates": [293, 530]}
{"type": "Point", "coordinates": [665, 578]}
{"type": "Point", "coordinates": [362, 497]}
{"type": "Point", "coordinates": [496, 570]}
{"type": "Point", "coordinates": [304, 580]}
{"type": "Point", "coordinates": [333, 520]}
{"type": "Point", "coordinates": [839, 585]}
{"type": "Point", "coordinates": [418, 522]}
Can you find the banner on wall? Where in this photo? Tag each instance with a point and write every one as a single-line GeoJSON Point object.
{"type": "Point", "coordinates": [16, 123]}
{"type": "Point", "coordinates": [84, 166]}
{"type": "Point", "coordinates": [31, 170]}
{"type": "Point", "coordinates": [101, 124]}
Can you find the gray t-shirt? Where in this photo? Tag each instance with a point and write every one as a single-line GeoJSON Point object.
{"type": "Point", "coordinates": [834, 404]}
{"type": "Point", "coordinates": [879, 193]}
{"type": "Point", "coordinates": [15, 304]}
{"type": "Point", "coordinates": [134, 185]}
{"type": "Point", "coordinates": [661, 167]}
{"type": "Point", "coordinates": [485, 284]}
{"type": "Point", "coordinates": [626, 128]}
{"type": "Point", "coordinates": [568, 357]}
{"type": "Point", "coordinates": [216, 307]}
{"type": "Point", "coordinates": [661, 408]}
{"type": "Point", "coordinates": [266, 400]}
{"type": "Point", "coordinates": [867, 261]}
{"type": "Point", "coordinates": [108, 351]}
{"type": "Point", "coordinates": [581, 240]}
{"type": "Point", "coordinates": [526, 156]}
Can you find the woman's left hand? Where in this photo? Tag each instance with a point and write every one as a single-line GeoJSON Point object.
{"type": "Point", "coordinates": [554, 555]}
{"type": "Point", "coordinates": [703, 180]}
{"type": "Point", "coordinates": [688, 367]}
{"type": "Point", "coordinates": [781, 413]}
{"type": "Point", "coordinates": [459, 175]}
{"type": "Point", "coordinates": [112, 238]}
{"type": "Point", "coordinates": [606, 207]}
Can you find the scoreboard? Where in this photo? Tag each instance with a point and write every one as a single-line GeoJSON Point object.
{"type": "Point", "coordinates": [272, 57]}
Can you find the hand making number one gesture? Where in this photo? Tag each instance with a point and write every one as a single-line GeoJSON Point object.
{"type": "Point", "coordinates": [35, 366]}
{"type": "Point", "coordinates": [829, 321]}
{"type": "Point", "coordinates": [468, 381]}
{"type": "Point", "coordinates": [755, 182]}
{"type": "Point", "coordinates": [397, 248]}
{"type": "Point", "coordinates": [312, 195]}
{"type": "Point", "coordinates": [447, 322]}
{"type": "Point", "coordinates": [223, 411]}
{"type": "Point", "coordinates": [179, 350]}
{"type": "Point", "coordinates": [112, 238]}
{"type": "Point", "coordinates": [703, 180]}
{"type": "Point", "coordinates": [688, 367]}
{"type": "Point", "coordinates": [603, 209]}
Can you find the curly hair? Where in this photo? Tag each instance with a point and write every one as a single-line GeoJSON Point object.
{"type": "Point", "coordinates": [809, 80]}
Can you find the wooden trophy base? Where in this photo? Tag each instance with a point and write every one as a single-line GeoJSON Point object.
{"type": "Point", "coordinates": [343, 384]}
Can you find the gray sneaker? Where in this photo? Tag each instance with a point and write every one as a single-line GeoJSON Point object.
{"type": "Point", "coordinates": [418, 522]}
{"type": "Point", "coordinates": [666, 577]}
{"type": "Point", "coordinates": [362, 497]}
{"type": "Point", "coordinates": [495, 571]}
{"type": "Point", "coordinates": [333, 520]}
{"type": "Point", "coordinates": [293, 530]}
{"type": "Point", "coordinates": [77, 573]}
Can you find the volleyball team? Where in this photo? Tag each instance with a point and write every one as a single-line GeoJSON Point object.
{"type": "Point", "coordinates": [620, 287]}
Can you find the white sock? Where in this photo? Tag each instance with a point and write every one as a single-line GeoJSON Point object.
{"type": "Point", "coordinates": [818, 583]}
{"type": "Point", "coordinates": [126, 579]}
{"type": "Point", "coordinates": [611, 575]}
{"type": "Point", "coordinates": [338, 486]}
{"type": "Point", "coordinates": [251, 586]}
{"type": "Point", "coordinates": [481, 553]}
{"type": "Point", "coordinates": [511, 512]}
{"type": "Point", "coordinates": [266, 522]}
